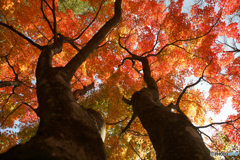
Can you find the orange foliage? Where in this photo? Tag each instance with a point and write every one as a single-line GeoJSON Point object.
{"type": "Point", "coordinates": [179, 45]}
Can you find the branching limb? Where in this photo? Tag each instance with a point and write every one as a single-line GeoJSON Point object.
{"type": "Point", "coordinates": [178, 88]}
{"type": "Point", "coordinates": [137, 133]}
{"type": "Point", "coordinates": [15, 83]}
{"type": "Point", "coordinates": [220, 84]}
{"type": "Point", "coordinates": [90, 22]}
{"type": "Point", "coordinates": [188, 39]}
{"type": "Point", "coordinates": [205, 135]}
{"type": "Point", "coordinates": [10, 114]}
{"type": "Point", "coordinates": [133, 116]}
{"type": "Point", "coordinates": [54, 21]}
{"type": "Point", "coordinates": [45, 17]}
{"type": "Point", "coordinates": [189, 86]}
{"type": "Point", "coordinates": [77, 80]}
{"type": "Point", "coordinates": [38, 30]}
{"type": "Point", "coordinates": [29, 86]}
{"type": "Point", "coordinates": [22, 35]}
{"type": "Point", "coordinates": [70, 41]}
{"type": "Point", "coordinates": [10, 83]}
{"type": "Point", "coordinates": [125, 48]}
{"type": "Point", "coordinates": [129, 123]}
{"type": "Point", "coordinates": [235, 49]}
{"type": "Point", "coordinates": [126, 100]}
{"type": "Point", "coordinates": [16, 75]}
{"type": "Point", "coordinates": [14, 111]}
{"type": "Point", "coordinates": [219, 123]}
{"type": "Point", "coordinates": [156, 42]}
{"type": "Point", "coordinates": [85, 52]}
{"type": "Point", "coordinates": [2, 109]}
{"type": "Point", "coordinates": [81, 92]}
{"type": "Point", "coordinates": [115, 123]}
{"type": "Point", "coordinates": [48, 5]}
{"type": "Point", "coordinates": [189, 52]}
{"type": "Point", "coordinates": [30, 106]}
{"type": "Point", "coordinates": [135, 151]}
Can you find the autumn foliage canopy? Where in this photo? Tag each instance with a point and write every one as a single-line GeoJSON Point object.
{"type": "Point", "coordinates": [180, 41]}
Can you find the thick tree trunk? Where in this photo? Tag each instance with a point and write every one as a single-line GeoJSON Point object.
{"type": "Point", "coordinates": [67, 131]}
{"type": "Point", "coordinates": [173, 136]}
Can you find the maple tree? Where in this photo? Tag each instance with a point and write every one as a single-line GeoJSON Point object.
{"type": "Point", "coordinates": [52, 48]}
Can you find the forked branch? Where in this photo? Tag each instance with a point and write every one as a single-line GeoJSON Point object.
{"type": "Point", "coordinates": [45, 17]}
{"type": "Point", "coordinates": [90, 22]}
{"type": "Point", "coordinates": [219, 123]}
{"type": "Point", "coordinates": [191, 85]}
{"type": "Point", "coordinates": [22, 35]}
{"type": "Point", "coordinates": [83, 54]}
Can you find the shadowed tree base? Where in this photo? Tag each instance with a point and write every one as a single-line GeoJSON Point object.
{"type": "Point", "coordinates": [172, 135]}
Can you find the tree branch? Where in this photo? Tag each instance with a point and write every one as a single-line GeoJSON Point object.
{"type": "Point", "coordinates": [90, 22]}
{"type": "Point", "coordinates": [71, 42]}
{"type": "Point", "coordinates": [129, 123]}
{"type": "Point", "coordinates": [119, 42]}
{"type": "Point", "coordinates": [44, 16]}
{"type": "Point", "coordinates": [218, 123]}
{"type": "Point", "coordinates": [189, 39]}
{"type": "Point", "coordinates": [85, 52]}
{"type": "Point", "coordinates": [153, 45]}
{"type": "Point", "coordinates": [135, 151]}
{"type": "Point", "coordinates": [220, 84]}
{"type": "Point", "coordinates": [10, 114]}
{"type": "Point", "coordinates": [48, 5]}
{"type": "Point", "coordinates": [126, 101]}
{"type": "Point", "coordinates": [115, 123]}
{"type": "Point", "coordinates": [205, 135]}
{"type": "Point", "coordinates": [189, 86]}
{"type": "Point", "coordinates": [54, 21]}
{"type": "Point", "coordinates": [22, 35]}
{"type": "Point", "coordinates": [82, 92]}
{"type": "Point", "coordinates": [10, 83]}
{"type": "Point", "coordinates": [137, 133]}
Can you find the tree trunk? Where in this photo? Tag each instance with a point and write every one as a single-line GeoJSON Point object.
{"type": "Point", "coordinates": [67, 131]}
{"type": "Point", "coordinates": [172, 134]}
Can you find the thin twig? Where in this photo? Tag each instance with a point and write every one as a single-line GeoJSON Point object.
{"type": "Point", "coordinates": [22, 35]}
{"type": "Point", "coordinates": [90, 22]}
{"type": "Point", "coordinates": [217, 123]}
{"type": "Point", "coordinates": [135, 150]}
{"type": "Point", "coordinates": [115, 123]}
{"type": "Point", "coordinates": [185, 89]}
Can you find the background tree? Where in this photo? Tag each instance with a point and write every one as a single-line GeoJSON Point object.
{"type": "Point", "coordinates": [177, 44]}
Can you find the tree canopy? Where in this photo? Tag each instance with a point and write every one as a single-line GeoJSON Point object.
{"type": "Point", "coordinates": [178, 45]}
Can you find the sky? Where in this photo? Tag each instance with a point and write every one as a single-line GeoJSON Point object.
{"type": "Point", "coordinates": [203, 86]}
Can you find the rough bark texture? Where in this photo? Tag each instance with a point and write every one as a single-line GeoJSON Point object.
{"type": "Point", "coordinates": [10, 83]}
{"type": "Point", "coordinates": [173, 136]}
{"type": "Point", "coordinates": [67, 131]}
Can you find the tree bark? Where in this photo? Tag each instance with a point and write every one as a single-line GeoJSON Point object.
{"type": "Point", "coordinates": [10, 83]}
{"type": "Point", "coordinates": [173, 136]}
{"type": "Point", "coordinates": [67, 131]}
